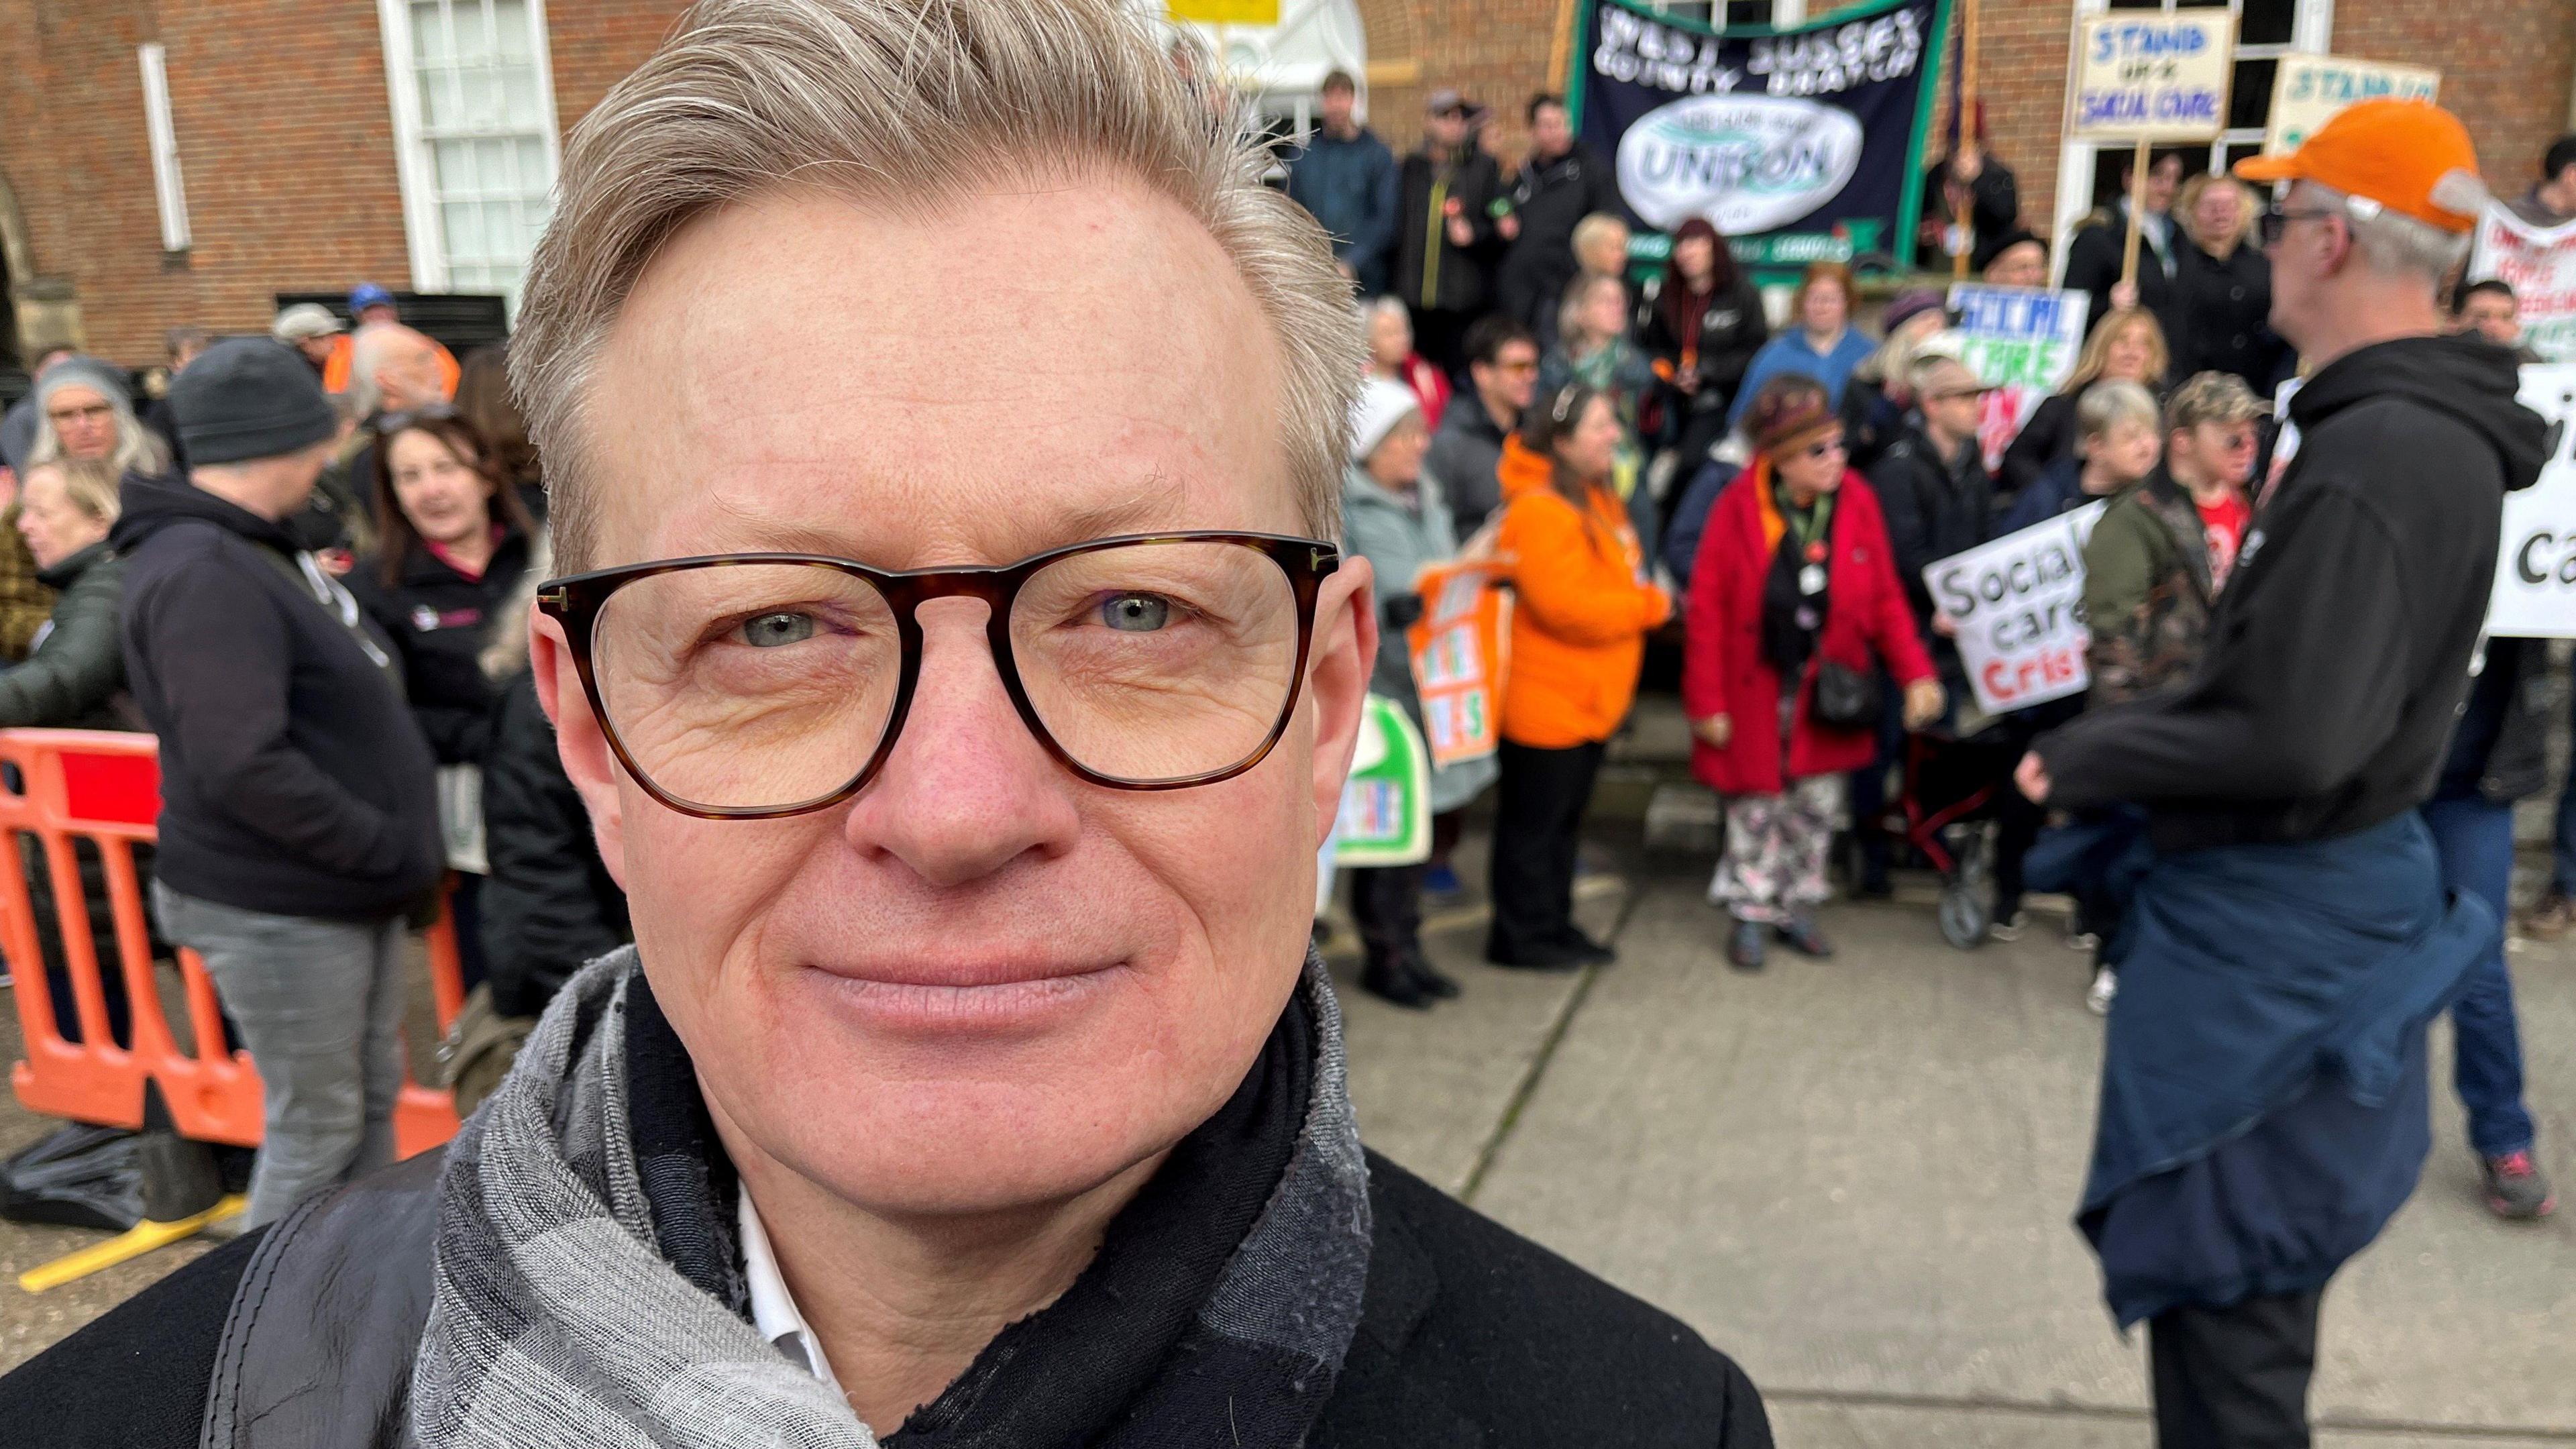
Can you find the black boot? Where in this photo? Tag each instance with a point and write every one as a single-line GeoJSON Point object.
{"type": "Point", "coordinates": [1432, 981]}
{"type": "Point", "coordinates": [1386, 978]}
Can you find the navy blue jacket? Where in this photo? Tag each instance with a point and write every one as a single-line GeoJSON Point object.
{"type": "Point", "coordinates": [1350, 186]}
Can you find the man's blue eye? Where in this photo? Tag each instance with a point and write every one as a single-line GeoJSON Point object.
{"type": "Point", "coordinates": [1136, 613]}
{"type": "Point", "coordinates": [771, 631]}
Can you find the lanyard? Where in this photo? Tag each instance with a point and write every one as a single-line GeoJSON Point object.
{"type": "Point", "coordinates": [1820, 516]}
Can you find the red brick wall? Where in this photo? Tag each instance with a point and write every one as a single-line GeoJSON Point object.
{"type": "Point", "coordinates": [286, 136]}
{"type": "Point", "coordinates": [2505, 68]}
{"type": "Point", "coordinates": [595, 42]}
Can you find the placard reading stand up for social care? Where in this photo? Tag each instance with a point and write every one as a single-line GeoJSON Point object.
{"type": "Point", "coordinates": [2144, 77]}
{"type": "Point", "coordinates": [2310, 90]}
{"type": "Point", "coordinates": [1801, 144]}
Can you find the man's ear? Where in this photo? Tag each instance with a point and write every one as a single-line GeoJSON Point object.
{"type": "Point", "coordinates": [580, 742]}
{"type": "Point", "coordinates": [1338, 665]}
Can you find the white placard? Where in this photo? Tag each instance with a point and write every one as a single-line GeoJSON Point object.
{"type": "Point", "coordinates": [2535, 584]}
{"type": "Point", "coordinates": [2539, 263]}
{"type": "Point", "coordinates": [2141, 75]}
{"type": "Point", "coordinates": [2308, 90]}
{"type": "Point", "coordinates": [2023, 343]}
{"type": "Point", "coordinates": [2019, 605]}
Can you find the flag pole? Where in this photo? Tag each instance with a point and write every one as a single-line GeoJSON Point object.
{"type": "Point", "coordinates": [1560, 51]}
{"type": "Point", "coordinates": [2137, 213]}
{"type": "Point", "coordinates": [1964, 216]}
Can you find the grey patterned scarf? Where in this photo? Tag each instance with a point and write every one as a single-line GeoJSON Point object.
{"type": "Point", "coordinates": [556, 1324]}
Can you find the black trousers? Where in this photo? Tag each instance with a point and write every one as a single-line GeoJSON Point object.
{"type": "Point", "coordinates": [1386, 904]}
{"type": "Point", "coordinates": [2234, 1377]}
{"type": "Point", "coordinates": [1537, 814]}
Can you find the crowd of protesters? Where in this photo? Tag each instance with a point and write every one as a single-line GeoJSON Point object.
{"type": "Point", "coordinates": [1662, 459]}
{"type": "Point", "coordinates": [306, 568]}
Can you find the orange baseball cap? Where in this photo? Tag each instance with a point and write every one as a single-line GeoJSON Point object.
{"type": "Point", "coordinates": [2408, 156]}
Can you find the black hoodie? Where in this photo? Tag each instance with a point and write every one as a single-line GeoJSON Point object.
{"type": "Point", "coordinates": [2340, 649]}
{"type": "Point", "coordinates": [293, 780]}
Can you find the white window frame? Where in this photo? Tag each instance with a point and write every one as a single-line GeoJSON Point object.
{"type": "Point", "coordinates": [413, 169]}
{"type": "Point", "coordinates": [2311, 29]}
{"type": "Point", "coordinates": [169, 191]}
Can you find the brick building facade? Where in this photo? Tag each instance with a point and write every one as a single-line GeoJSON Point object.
{"type": "Point", "coordinates": [303, 169]}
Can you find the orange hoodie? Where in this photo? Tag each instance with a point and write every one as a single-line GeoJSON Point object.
{"type": "Point", "coordinates": [1581, 611]}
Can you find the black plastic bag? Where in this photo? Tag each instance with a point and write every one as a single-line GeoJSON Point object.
{"type": "Point", "coordinates": [77, 1176]}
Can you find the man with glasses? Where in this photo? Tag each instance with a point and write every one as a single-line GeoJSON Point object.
{"type": "Point", "coordinates": [1466, 456]}
{"type": "Point", "coordinates": [962, 727]}
{"type": "Point", "coordinates": [2264, 1089]}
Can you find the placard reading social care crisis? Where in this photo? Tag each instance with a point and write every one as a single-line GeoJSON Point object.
{"type": "Point", "coordinates": [2019, 605]}
{"type": "Point", "coordinates": [2020, 341]}
{"type": "Point", "coordinates": [2144, 76]}
{"type": "Point", "coordinates": [2535, 583]}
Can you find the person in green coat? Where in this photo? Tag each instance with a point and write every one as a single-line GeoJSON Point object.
{"type": "Point", "coordinates": [1394, 516]}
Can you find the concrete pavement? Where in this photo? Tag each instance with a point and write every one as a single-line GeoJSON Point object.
{"type": "Point", "coordinates": [1856, 1176]}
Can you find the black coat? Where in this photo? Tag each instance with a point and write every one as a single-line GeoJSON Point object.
{"type": "Point", "coordinates": [75, 679]}
{"type": "Point", "coordinates": [1934, 508]}
{"type": "Point", "coordinates": [1431, 272]}
{"type": "Point", "coordinates": [2224, 310]}
{"type": "Point", "coordinates": [1549, 197]}
{"type": "Point", "coordinates": [1470, 1337]}
{"type": "Point", "coordinates": [549, 904]}
{"type": "Point", "coordinates": [293, 779]}
{"type": "Point", "coordinates": [2047, 437]}
{"type": "Point", "coordinates": [1994, 207]}
{"type": "Point", "coordinates": [2093, 268]}
{"type": "Point", "coordinates": [2381, 537]}
{"type": "Point", "coordinates": [1731, 329]}
{"type": "Point", "coordinates": [439, 619]}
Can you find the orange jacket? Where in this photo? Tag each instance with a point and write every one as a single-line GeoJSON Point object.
{"type": "Point", "coordinates": [1581, 611]}
{"type": "Point", "coordinates": [344, 350]}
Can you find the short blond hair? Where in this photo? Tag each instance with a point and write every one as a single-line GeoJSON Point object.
{"type": "Point", "coordinates": [919, 100]}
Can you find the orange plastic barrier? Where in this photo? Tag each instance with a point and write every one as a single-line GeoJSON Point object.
{"type": "Point", "coordinates": [105, 788]}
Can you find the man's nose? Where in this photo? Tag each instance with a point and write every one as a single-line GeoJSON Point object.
{"type": "Point", "coordinates": [969, 789]}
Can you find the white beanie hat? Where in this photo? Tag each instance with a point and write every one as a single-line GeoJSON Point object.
{"type": "Point", "coordinates": [1374, 413]}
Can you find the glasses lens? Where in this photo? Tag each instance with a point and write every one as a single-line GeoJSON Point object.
{"type": "Point", "coordinates": [747, 686]}
{"type": "Point", "coordinates": [1157, 662]}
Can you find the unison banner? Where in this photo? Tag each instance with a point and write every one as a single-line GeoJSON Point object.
{"type": "Point", "coordinates": [1799, 145]}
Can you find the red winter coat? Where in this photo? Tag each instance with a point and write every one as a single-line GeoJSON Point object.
{"type": "Point", "coordinates": [1723, 671]}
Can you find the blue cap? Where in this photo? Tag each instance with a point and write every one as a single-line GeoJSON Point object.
{"type": "Point", "coordinates": [369, 295]}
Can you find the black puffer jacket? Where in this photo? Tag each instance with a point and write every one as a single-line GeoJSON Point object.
{"type": "Point", "coordinates": [2225, 309]}
{"type": "Point", "coordinates": [438, 619]}
{"type": "Point", "coordinates": [1549, 197]}
{"type": "Point", "coordinates": [75, 678]}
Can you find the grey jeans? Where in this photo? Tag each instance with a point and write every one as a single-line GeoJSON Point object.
{"type": "Point", "coordinates": [320, 1006]}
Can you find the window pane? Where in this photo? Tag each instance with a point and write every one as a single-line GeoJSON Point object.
{"type": "Point", "coordinates": [2140, 5]}
{"type": "Point", "coordinates": [2267, 22]}
{"type": "Point", "coordinates": [2251, 101]}
{"type": "Point", "coordinates": [519, 108]}
{"type": "Point", "coordinates": [473, 30]}
{"type": "Point", "coordinates": [492, 167]}
{"type": "Point", "coordinates": [437, 100]}
{"type": "Point", "coordinates": [1748, 12]}
{"type": "Point", "coordinates": [512, 37]}
{"type": "Point", "coordinates": [429, 42]}
{"type": "Point", "coordinates": [461, 227]}
{"type": "Point", "coordinates": [452, 162]}
{"type": "Point", "coordinates": [534, 179]}
{"type": "Point", "coordinates": [500, 230]}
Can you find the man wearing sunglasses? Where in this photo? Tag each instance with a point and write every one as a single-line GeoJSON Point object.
{"type": "Point", "coordinates": [2264, 1094]}
{"type": "Point", "coordinates": [962, 727]}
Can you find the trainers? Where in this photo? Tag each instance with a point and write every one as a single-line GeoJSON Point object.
{"type": "Point", "coordinates": [1386, 979]}
{"type": "Point", "coordinates": [2515, 1188]}
{"type": "Point", "coordinates": [1800, 934]}
{"type": "Point", "coordinates": [2106, 984]}
{"type": "Point", "coordinates": [2008, 928]}
{"type": "Point", "coordinates": [2550, 917]}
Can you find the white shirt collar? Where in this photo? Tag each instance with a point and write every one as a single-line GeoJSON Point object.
{"type": "Point", "coordinates": [773, 1309]}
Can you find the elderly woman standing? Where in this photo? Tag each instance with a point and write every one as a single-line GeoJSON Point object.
{"type": "Point", "coordinates": [1794, 602]}
{"type": "Point", "coordinates": [1391, 356]}
{"type": "Point", "coordinates": [1579, 623]}
{"type": "Point", "coordinates": [2222, 301]}
{"type": "Point", "coordinates": [1823, 345]}
{"type": "Point", "coordinates": [82, 412]}
{"type": "Point", "coordinates": [1401, 527]}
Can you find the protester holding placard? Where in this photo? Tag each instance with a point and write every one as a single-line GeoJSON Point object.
{"type": "Point", "coordinates": [1401, 526]}
{"type": "Point", "coordinates": [1936, 493]}
{"type": "Point", "coordinates": [2264, 1084]}
{"type": "Point", "coordinates": [1822, 346]}
{"type": "Point", "coordinates": [1705, 326]}
{"type": "Point", "coordinates": [1968, 196]}
{"type": "Point", "coordinates": [1794, 606]}
{"type": "Point", "coordinates": [1582, 609]}
{"type": "Point", "coordinates": [2127, 346]}
{"type": "Point", "coordinates": [2094, 258]}
{"type": "Point", "coordinates": [2223, 289]}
